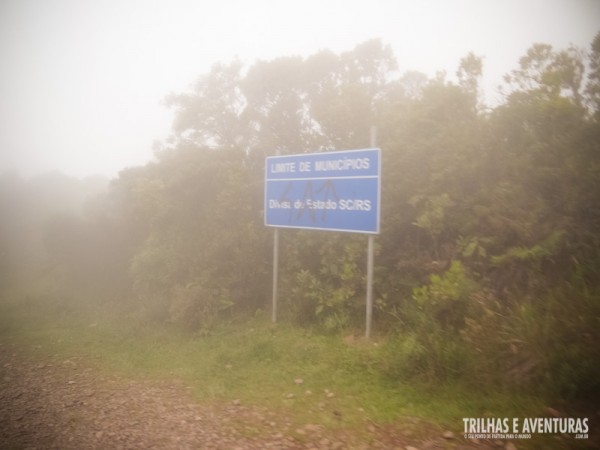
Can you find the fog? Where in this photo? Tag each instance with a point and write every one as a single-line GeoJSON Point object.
{"type": "Point", "coordinates": [133, 232]}
{"type": "Point", "coordinates": [83, 83]}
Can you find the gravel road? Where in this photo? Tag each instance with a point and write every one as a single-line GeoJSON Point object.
{"type": "Point", "coordinates": [49, 402]}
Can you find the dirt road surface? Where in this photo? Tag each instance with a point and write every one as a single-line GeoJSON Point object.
{"type": "Point", "coordinates": [50, 402]}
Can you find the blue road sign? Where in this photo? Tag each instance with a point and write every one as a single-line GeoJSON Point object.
{"type": "Point", "coordinates": [338, 191]}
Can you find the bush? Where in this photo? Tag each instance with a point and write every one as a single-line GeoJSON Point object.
{"type": "Point", "coordinates": [195, 306]}
{"type": "Point", "coordinates": [330, 295]}
{"type": "Point", "coordinates": [430, 346]}
{"type": "Point", "coordinates": [545, 344]}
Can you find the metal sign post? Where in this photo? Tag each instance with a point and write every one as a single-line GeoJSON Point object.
{"type": "Point", "coordinates": [275, 272]}
{"type": "Point", "coordinates": [335, 191]}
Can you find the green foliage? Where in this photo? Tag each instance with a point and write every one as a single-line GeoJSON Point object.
{"type": "Point", "coordinates": [234, 358]}
{"type": "Point", "coordinates": [544, 343]}
{"type": "Point", "coordinates": [432, 218]}
{"type": "Point", "coordinates": [535, 254]}
{"type": "Point", "coordinates": [432, 347]}
{"type": "Point", "coordinates": [194, 306]}
{"type": "Point", "coordinates": [489, 250]}
{"type": "Point", "coordinates": [330, 295]}
{"type": "Point", "coordinates": [444, 299]}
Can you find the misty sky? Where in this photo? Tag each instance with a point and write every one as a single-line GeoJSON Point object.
{"type": "Point", "coordinates": [82, 81]}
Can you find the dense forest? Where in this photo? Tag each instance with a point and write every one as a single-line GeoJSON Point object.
{"type": "Point", "coordinates": [486, 267]}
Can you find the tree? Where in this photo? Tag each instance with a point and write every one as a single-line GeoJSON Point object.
{"type": "Point", "coordinates": [490, 218]}
{"type": "Point", "coordinates": [593, 85]}
{"type": "Point", "coordinates": [469, 74]}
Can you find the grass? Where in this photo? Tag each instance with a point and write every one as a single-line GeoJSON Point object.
{"type": "Point", "coordinates": [256, 362]}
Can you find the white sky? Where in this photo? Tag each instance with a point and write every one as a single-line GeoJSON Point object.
{"type": "Point", "coordinates": [82, 81]}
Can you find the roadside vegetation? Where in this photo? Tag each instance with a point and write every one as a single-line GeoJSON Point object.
{"type": "Point", "coordinates": [486, 281]}
{"type": "Point", "coordinates": [336, 381]}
